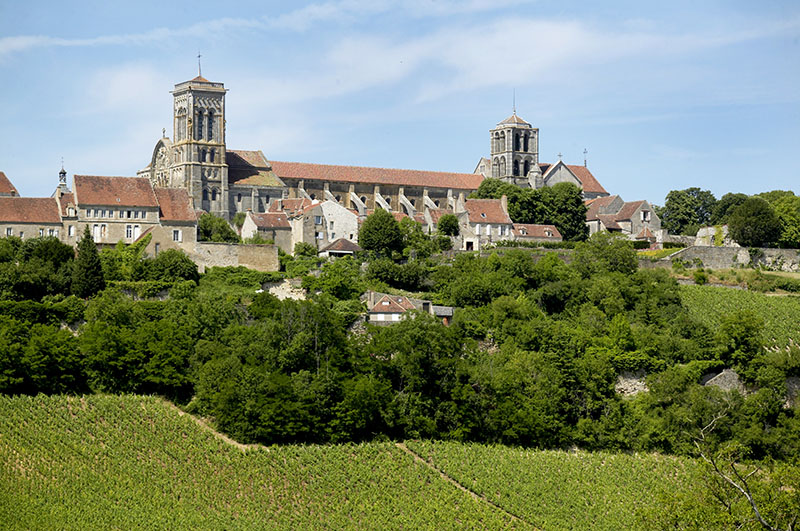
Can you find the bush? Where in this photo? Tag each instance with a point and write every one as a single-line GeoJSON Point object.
{"type": "Point", "coordinates": [211, 228]}
{"type": "Point", "coordinates": [700, 277]}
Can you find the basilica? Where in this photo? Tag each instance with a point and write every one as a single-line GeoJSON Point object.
{"type": "Point", "coordinates": [226, 181]}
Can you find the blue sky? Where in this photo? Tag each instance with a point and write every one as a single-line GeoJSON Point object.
{"type": "Point", "coordinates": [664, 95]}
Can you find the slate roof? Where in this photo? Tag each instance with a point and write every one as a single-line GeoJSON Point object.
{"type": "Point", "coordinates": [29, 210]}
{"type": "Point", "coordinates": [5, 185]}
{"type": "Point", "coordinates": [250, 168]}
{"type": "Point", "coordinates": [114, 191]}
{"type": "Point", "coordinates": [174, 205]}
{"type": "Point", "coordinates": [486, 211]}
{"type": "Point", "coordinates": [392, 304]}
{"type": "Point", "coordinates": [361, 174]}
{"type": "Point", "coordinates": [343, 245]}
{"type": "Point", "coordinates": [588, 181]}
{"type": "Point", "coordinates": [531, 230]}
{"type": "Point", "coordinates": [271, 220]}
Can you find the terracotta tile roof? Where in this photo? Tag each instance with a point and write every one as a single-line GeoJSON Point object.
{"type": "Point", "coordinates": [29, 210]}
{"type": "Point", "coordinates": [609, 221]}
{"type": "Point", "coordinates": [174, 204]}
{"type": "Point", "coordinates": [201, 79]}
{"type": "Point", "coordinates": [436, 214]}
{"type": "Point", "coordinates": [486, 211]}
{"type": "Point", "coordinates": [291, 207]}
{"type": "Point", "coordinates": [531, 230]}
{"type": "Point", "coordinates": [392, 304]}
{"type": "Point", "coordinates": [114, 191]}
{"type": "Point", "coordinates": [645, 234]}
{"type": "Point", "coordinates": [66, 200]}
{"type": "Point", "coordinates": [359, 174]}
{"type": "Point", "coordinates": [6, 188]}
{"type": "Point", "coordinates": [514, 119]}
{"type": "Point", "coordinates": [250, 168]}
{"type": "Point", "coordinates": [588, 181]}
{"type": "Point", "coordinates": [597, 204]}
{"type": "Point", "coordinates": [270, 220]}
{"type": "Point", "coordinates": [343, 245]}
{"type": "Point", "coordinates": [628, 210]}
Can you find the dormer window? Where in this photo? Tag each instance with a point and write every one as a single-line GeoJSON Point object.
{"type": "Point", "coordinates": [483, 214]}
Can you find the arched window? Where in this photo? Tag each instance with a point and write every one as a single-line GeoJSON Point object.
{"type": "Point", "coordinates": [214, 194]}
{"type": "Point", "coordinates": [525, 146]}
{"type": "Point", "coordinates": [527, 167]}
{"type": "Point", "coordinates": [202, 155]}
{"type": "Point", "coordinates": [516, 142]}
{"type": "Point", "coordinates": [502, 167]}
{"type": "Point", "coordinates": [211, 154]}
{"type": "Point", "coordinates": [388, 200]}
{"type": "Point", "coordinates": [210, 125]}
{"type": "Point", "coordinates": [338, 198]}
{"type": "Point", "coordinates": [205, 194]}
{"type": "Point", "coordinates": [495, 168]}
{"type": "Point", "coordinates": [199, 125]}
{"type": "Point", "coordinates": [436, 203]}
{"type": "Point", "coordinates": [502, 142]}
{"type": "Point", "coordinates": [238, 198]}
{"type": "Point", "coordinates": [313, 196]}
{"type": "Point", "coordinates": [516, 168]}
{"type": "Point", "coordinates": [364, 199]}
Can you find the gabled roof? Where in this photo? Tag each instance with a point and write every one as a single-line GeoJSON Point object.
{"type": "Point", "coordinates": [595, 206]}
{"type": "Point", "coordinates": [436, 214]}
{"type": "Point", "coordinates": [399, 216]}
{"type": "Point", "coordinates": [514, 119]}
{"type": "Point", "coordinates": [250, 168]}
{"type": "Point", "coordinates": [271, 220]}
{"type": "Point", "coordinates": [645, 234]}
{"type": "Point", "coordinates": [114, 191]}
{"type": "Point", "coordinates": [360, 174]}
{"type": "Point", "coordinates": [531, 230]}
{"type": "Point", "coordinates": [6, 188]}
{"type": "Point", "coordinates": [486, 211]}
{"type": "Point", "coordinates": [29, 210]}
{"type": "Point", "coordinates": [588, 181]}
{"type": "Point", "coordinates": [201, 79]}
{"type": "Point", "coordinates": [609, 221]}
{"type": "Point", "coordinates": [291, 207]}
{"type": "Point", "coordinates": [66, 200]}
{"type": "Point", "coordinates": [628, 210]}
{"type": "Point", "coordinates": [343, 245]}
{"type": "Point", "coordinates": [392, 304]}
{"type": "Point", "coordinates": [174, 204]}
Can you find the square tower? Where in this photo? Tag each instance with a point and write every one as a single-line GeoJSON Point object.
{"type": "Point", "coordinates": [198, 148]}
{"type": "Point", "coordinates": [515, 151]}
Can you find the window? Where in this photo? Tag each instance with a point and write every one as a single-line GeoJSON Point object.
{"type": "Point", "coordinates": [477, 229]}
{"type": "Point", "coordinates": [333, 235]}
{"type": "Point", "coordinates": [41, 232]}
{"type": "Point", "coordinates": [144, 214]}
{"type": "Point", "coordinates": [211, 129]}
{"type": "Point", "coordinates": [211, 155]}
{"type": "Point", "coordinates": [317, 220]}
{"type": "Point", "coordinates": [548, 233]}
{"type": "Point", "coordinates": [136, 232]}
{"type": "Point", "coordinates": [158, 248]}
{"type": "Point", "coordinates": [96, 232]}
{"type": "Point", "coordinates": [199, 125]}
{"type": "Point", "coordinates": [51, 232]}
{"type": "Point", "coordinates": [177, 236]}
{"type": "Point", "coordinates": [645, 215]}
{"type": "Point", "coordinates": [135, 214]}
{"type": "Point", "coordinates": [70, 211]}
{"type": "Point", "coordinates": [239, 198]}
{"type": "Point", "coordinates": [205, 195]}
{"type": "Point", "coordinates": [9, 231]}
{"type": "Point", "coordinates": [319, 235]}
{"type": "Point", "coordinates": [21, 234]}
{"type": "Point", "coordinates": [71, 230]}
{"type": "Point", "coordinates": [214, 194]}
{"type": "Point", "coordinates": [331, 225]}
{"type": "Point", "coordinates": [129, 231]}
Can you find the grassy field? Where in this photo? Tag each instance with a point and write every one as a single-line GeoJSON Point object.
{"type": "Point", "coordinates": [781, 315]}
{"type": "Point", "coordinates": [138, 463]}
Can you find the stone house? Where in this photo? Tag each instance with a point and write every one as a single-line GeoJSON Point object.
{"type": "Point", "coordinates": [636, 219]}
{"type": "Point", "coordinates": [390, 309]}
{"type": "Point", "coordinates": [273, 226]}
{"type": "Point", "coordinates": [30, 217]}
{"type": "Point", "coordinates": [339, 248]}
{"type": "Point", "coordinates": [486, 221]}
{"type": "Point", "coordinates": [318, 223]}
{"type": "Point", "coordinates": [535, 233]}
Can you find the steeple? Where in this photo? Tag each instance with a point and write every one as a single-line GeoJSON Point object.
{"type": "Point", "coordinates": [514, 149]}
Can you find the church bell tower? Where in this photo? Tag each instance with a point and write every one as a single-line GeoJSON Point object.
{"type": "Point", "coordinates": [198, 150]}
{"type": "Point", "coordinates": [515, 152]}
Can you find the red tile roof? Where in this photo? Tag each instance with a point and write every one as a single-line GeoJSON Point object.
{"type": "Point", "coordinates": [270, 220]}
{"type": "Point", "coordinates": [392, 304]}
{"type": "Point", "coordinates": [486, 211]}
{"type": "Point", "coordinates": [6, 187]}
{"type": "Point", "coordinates": [291, 207]}
{"type": "Point", "coordinates": [628, 210]}
{"type": "Point", "coordinates": [436, 213]}
{"type": "Point", "coordinates": [588, 181]}
{"type": "Point", "coordinates": [359, 174]}
{"type": "Point", "coordinates": [609, 221]}
{"type": "Point", "coordinates": [343, 245]}
{"type": "Point", "coordinates": [645, 234]}
{"type": "Point", "coordinates": [174, 204]}
{"type": "Point", "coordinates": [201, 79]}
{"type": "Point", "coordinates": [66, 200]}
{"type": "Point", "coordinates": [597, 204]}
{"type": "Point", "coordinates": [530, 230]}
{"type": "Point", "coordinates": [29, 210]}
{"type": "Point", "coordinates": [114, 191]}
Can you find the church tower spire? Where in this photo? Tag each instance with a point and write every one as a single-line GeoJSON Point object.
{"type": "Point", "coordinates": [515, 150]}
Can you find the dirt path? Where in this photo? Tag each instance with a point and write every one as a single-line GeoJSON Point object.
{"type": "Point", "coordinates": [418, 458]}
{"type": "Point", "coordinates": [221, 436]}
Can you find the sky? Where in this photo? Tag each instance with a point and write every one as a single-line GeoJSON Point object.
{"type": "Point", "coordinates": [662, 95]}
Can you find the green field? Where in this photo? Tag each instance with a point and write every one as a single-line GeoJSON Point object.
{"type": "Point", "coordinates": [138, 463]}
{"type": "Point", "coordinates": [781, 314]}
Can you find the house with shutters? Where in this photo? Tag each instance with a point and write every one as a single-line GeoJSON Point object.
{"type": "Point", "coordinates": [529, 232]}
{"type": "Point", "coordinates": [636, 219]}
{"type": "Point", "coordinates": [484, 221]}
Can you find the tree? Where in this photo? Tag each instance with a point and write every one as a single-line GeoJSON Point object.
{"type": "Point", "coordinates": [173, 265]}
{"type": "Point", "coordinates": [87, 273]}
{"type": "Point", "coordinates": [687, 210]}
{"type": "Point", "coordinates": [754, 223]}
{"type": "Point", "coordinates": [724, 207]}
{"type": "Point", "coordinates": [567, 211]}
{"type": "Point", "coordinates": [213, 228]}
{"type": "Point", "coordinates": [788, 211]}
{"type": "Point", "coordinates": [605, 251]}
{"type": "Point", "coordinates": [380, 232]}
{"type": "Point", "coordinates": [448, 225]}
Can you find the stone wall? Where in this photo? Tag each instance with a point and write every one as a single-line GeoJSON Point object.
{"type": "Point", "coordinates": [728, 257]}
{"type": "Point", "coordinates": [258, 257]}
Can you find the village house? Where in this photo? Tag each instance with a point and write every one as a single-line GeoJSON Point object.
{"type": "Point", "coordinates": [386, 309]}
{"type": "Point", "coordinates": [529, 232]}
{"type": "Point", "coordinates": [339, 248]}
{"type": "Point", "coordinates": [271, 226]}
{"type": "Point", "coordinates": [637, 220]}
{"type": "Point", "coordinates": [486, 221]}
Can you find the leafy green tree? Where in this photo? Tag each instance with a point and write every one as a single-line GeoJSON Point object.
{"type": "Point", "coordinates": [211, 228]}
{"type": "Point", "coordinates": [381, 233]}
{"type": "Point", "coordinates": [726, 204]}
{"type": "Point", "coordinates": [685, 211]}
{"type": "Point", "coordinates": [788, 211]}
{"type": "Point", "coordinates": [87, 273]}
{"type": "Point", "coordinates": [754, 223]}
{"type": "Point", "coordinates": [605, 251]}
{"type": "Point", "coordinates": [173, 265]}
{"type": "Point", "coordinates": [305, 249]}
{"type": "Point", "coordinates": [448, 225]}
{"type": "Point", "coordinates": [47, 249]}
{"type": "Point", "coordinates": [567, 210]}
{"type": "Point", "coordinates": [739, 337]}
{"type": "Point", "coordinates": [341, 278]}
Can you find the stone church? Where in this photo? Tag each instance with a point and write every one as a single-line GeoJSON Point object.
{"type": "Point", "coordinates": [225, 182]}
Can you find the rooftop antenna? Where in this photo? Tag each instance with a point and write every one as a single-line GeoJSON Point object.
{"type": "Point", "coordinates": [199, 68]}
{"type": "Point", "coordinates": [585, 152]}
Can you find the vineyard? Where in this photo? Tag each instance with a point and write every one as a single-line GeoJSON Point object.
{"type": "Point", "coordinates": [780, 313]}
{"type": "Point", "coordinates": [137, 462]}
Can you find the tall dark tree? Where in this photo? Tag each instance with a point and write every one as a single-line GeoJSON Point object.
{"type": "Point", "coordinates": [567, 210]}
{"type": "Point", "coordinates": [725, 206]}
{"type": "Point", "coordinates": [687, 210]}
{"type": "Point", "coordinates": [380, 232]}
{"type": "Point", "coordinates": [754, 224]}
{"type": "Point", "coordinates": [448, 225]}
{"type": "Point", "coordinates": [87, 273]}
